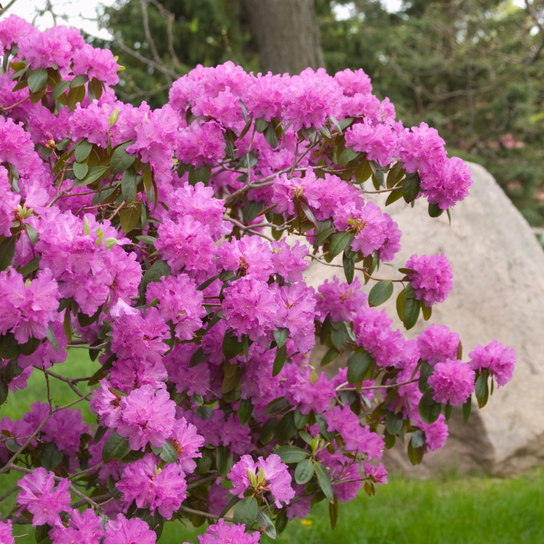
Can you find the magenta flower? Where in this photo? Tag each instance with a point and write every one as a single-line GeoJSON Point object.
{"type": "Point", "coordinates": [201, 143]}
{"type": "Point", "coordinates": [41, 500]}
{"type": "Point", "coordinates": [272, 473]}
{"type": "Point", "coordinates": [147, 416]}
{"type": "Point", "coordinates": [431, 278]}
{"type": "Point", "coordinates": [179, 302]}
{"type": "Point", "coordinates": [499, 360]}
{"type": "Point", "coordinates": [378, 141]}
{"type": "Point", "coordinates": [373, 332]}
{"type": "Point", "coordinates": [435, 433]}
{"type": "Point", "coordinates": [436, 344]}
{"type": "Point", "coordinates": [5, 532]}
{"type": "Point", "coordinates": [148, 485]}
{"type": "Point", "coordinates": [302, 392]}
{"type": "Point", "coordinates": [378, 472]}
{"type": "Point", "coordinates": [187, 442]}
{"type": "Point", "coordinates": [341, 300]}
{"type": "Point", "coordinates": [452, 382]}
{"type": "Point", "coordinates": [185, 244]}
{"type": "Point", "coordinates": [250, 307]}
{"type": "Point", "coordinates": [8, 204]}
{"type": "Point", "coordinates": [420, 148]}
{"type": "Point", "coordinates": [222, 533]}
{"type": "Point", "coordinates": [129, 531]}
{"type": "Point", "coordinates": [84, 528]}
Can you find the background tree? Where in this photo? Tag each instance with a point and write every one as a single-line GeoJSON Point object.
{"type": "Point", "coordinates": [470, 68]}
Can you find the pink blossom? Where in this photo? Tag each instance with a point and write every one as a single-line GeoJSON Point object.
{"type": "Point", "coordinates": [341, 301]}
{"type": "Point", "coordinates": [84, 528]}
{"type": "Point", "coordinates": [420, 148]}
{"type": "Point", "coordinates": [150, 486]}
{"type": "Point", "coordinates": [41, 500]}
{"type": "Point", "coordinates": [452, 382]}
{"type": "Point", "coordinates": [96, 62]}
{"type": "Point", "coordinates": [276, 477]}
{"type": "Point", "coordinates": [147, 416]}
{"type": "Point", "coordinates": [431, 278]}
{"type": "Point", "coordinates": [436, 344]}
{"type": "Point", "coordinates": [497, 359]}
{"type": "Point", "coordinates": [186, 442]}
{"type": "Point", "coordinates": [129, 531]}
{"type": "Point", "coordinates": [377, 141]}
{"type": "Point", "coordinates": [201, 144]}
{"type": "Point", "coordinates": [222, 533]}
{"type": "Point", "coordinates": [5, 532]}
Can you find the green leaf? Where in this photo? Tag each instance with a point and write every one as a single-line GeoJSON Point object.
{"type": "Point", "coordinates": [129, 217]}
{"type": "Point", "coordinates": [339, 242]}
{"type": "Point", "coordinates": [9, 347]}
{"type": "Point", "coordinates": [78, 81]}
{"type": "Point", "coordinates": [348, 155]}
{"type": "Point", "coordinates": [349, 268]}
{"type": "Point", "coordinates": [129, 182]}
{"type": "Point", "coordinates": [3, 390]}
{"type": "Point", "coordinates": [428, 409]}
{"type": "Point", "coordinates": [53, 339]}
{"type": "Point", "coordinates": [418, 439]}
{"type": "Point", "coordinates": [32, 234]}
{"type": "Point", "coordinates": [425, 372]}
{"type": "Point", "coordinates": [37, 79]}
{"type": "Point", "coordinates": [271, 136]}
{"type": "Point", "coordinates": [198, 357]}
{"type": "Point", "coordinates": [41, 534]}
{"type": "Point", "coordinates": [415, 454]}
{"type": "Point", "coordinates": [448, 408]}
{"type": "Point", "coordinates": [435, 211]}
{"type": "Point", "coordinates": [266, 525]}
{"type": "Point", "coordinates": [380, 293]}
{"type": "Point", "coordinates": [481, 385]}
{"type": "Point", "coordinates": [411, 312]}
{"type": "Point", "coordinates": [301, 420]}
{"type": "Point", "coordinates": [291, 454]}
{"type": "Point", "coordinates": [330, 356]}
{"type": "Point", "coordinates": [95, 173]}
{"type": "Point", "coordinates": [269, 430]}
{"type": "Point", "coordinates": [277, 406]}
{"type": "Point", "coordinates": [31, 266]}
{"type": "Point", "coordinates": [223, 460]}
{"type": "Point", "coordinates": [245, 411]}
{"type": "Point", "coordinates": [81, 169]}
{"type": "Point", "coordinates": [261, 125]}
{"type": "Point", "coordinates": [115, 449]}
{"type": "Point", "coordinates": [281, 521]}
{"type": "Point", "coordinates": [322, 236]}
{"type": "Point", "coordinates": [363, 171]}
{"type": "Point", "coordinates": [51, 457]}
{"type": "Point", "coordinates": [233, 501]}
{"type": "Point", "coordinates": [231, 345]}
{"type": "Point", "coordinates": [7, 251]}
{"type": "Point", "coordinates": [60, 89]}
{"type": "Point", "coordinates": [169, 453]}
{"type": "Point", "coordinates": [83, 150]}
{"type": "Point", "coordinates": [394, 422]}
{"type": "Point", "coordinates": [411, 187]}
{"type": "Point", "coordinates": [76, 95]}
{"type": "Point", "coordinates": [333, 511]}
{"type": "Point", "coordinates": [287, 428]}
{"type": "Point", "coordinates": [279, 360]}
{"type": "Point", "coordinates": [466, 409]}
{"type": "Point", "coordinates": [280, 336]}
{"type": "Point", "coordinates": [304, 472]}
{"type": "Point", "coordinates": [252, 210]}
{"type": "Point", "coordinates": [12, 370]}
{"type": "Point", "coordinates": [393, 197]}
{"type": "Point", "coordinates": [120, 159]}
{"type": "Point", "coordinates": [358, 366]}
{"type": "Point", "coordinates": [246, 511]}
{"type": "Point", "coordinates": [231, 383]}
{"type": "Point", "coordinates": [339, 337]}
{"type": "Point", "coordinates": [100, 432]}
{"type": "Point", "coordinates": [158, 270]}
{"type": "Point", "coordinates": [395, 175]}
{"type": "Point", "coordinates": [324, 481]}
{"type": "Point", "coordinates": [149, 240]}
{"type": "Point", "coordinates": [426, 312]}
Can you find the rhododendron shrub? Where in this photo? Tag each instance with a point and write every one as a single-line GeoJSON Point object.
{"type": "Point", "coordinates": [162, 242]}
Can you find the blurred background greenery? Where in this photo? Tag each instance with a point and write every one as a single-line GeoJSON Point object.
{"type": "Point", "coordinates": [473, 69]}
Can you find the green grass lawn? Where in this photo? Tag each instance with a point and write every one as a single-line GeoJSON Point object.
{"type": "Point", "coordinates": [455, 510]}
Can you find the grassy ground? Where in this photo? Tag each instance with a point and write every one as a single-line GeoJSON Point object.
{"type": "Point", "coordinates": [451, 510]}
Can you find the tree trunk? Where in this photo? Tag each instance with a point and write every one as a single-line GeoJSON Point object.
{"type": "Point", "coordinates": [287, 35]}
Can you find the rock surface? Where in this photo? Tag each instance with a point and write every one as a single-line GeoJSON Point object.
{"type": "Point", "coordinates": [498, 292]}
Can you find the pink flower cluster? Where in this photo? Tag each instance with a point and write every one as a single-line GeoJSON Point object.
{"type": "Point", "coordinates": [431, 278]}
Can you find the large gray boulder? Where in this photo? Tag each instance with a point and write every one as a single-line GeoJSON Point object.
{"type": "Point", "coordinates": [498, 292]}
